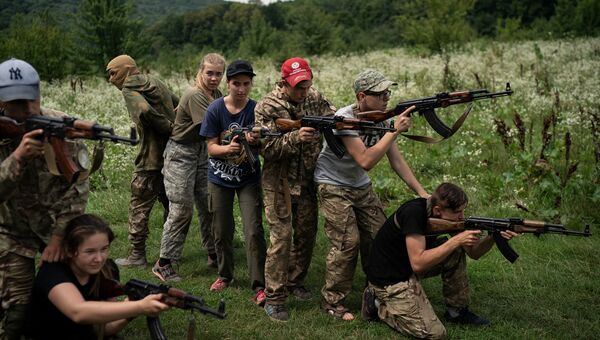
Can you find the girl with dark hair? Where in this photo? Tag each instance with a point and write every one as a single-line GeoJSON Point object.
{"type": "Point", "coordinates": [68, 302]}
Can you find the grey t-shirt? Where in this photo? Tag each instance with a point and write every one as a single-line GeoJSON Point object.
{"type": "Point", "coordinates": [345, 171]}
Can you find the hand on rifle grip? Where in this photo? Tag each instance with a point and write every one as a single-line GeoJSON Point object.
{"type": "Point", "coordinates": [404, 120]}
{"type": "Point", "coordinates": [252, 137]}
{"type": "Point", "coordinates": [152, 305]}
{"type": "Point", "coordinates": [31, 145]}
{"type": "Point", "coordinates": [234, 147]}
{"type": "Point", "coordinates": [467, 238]}
{"type": "Point", "coordinates": [307, 134]}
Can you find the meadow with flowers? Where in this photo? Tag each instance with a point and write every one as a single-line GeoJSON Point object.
{"type": "Point", "coordinates": [535, 154]}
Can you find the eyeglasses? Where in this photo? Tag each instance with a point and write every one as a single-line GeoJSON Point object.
{"type": "Point", "coordinates": [384, 95]}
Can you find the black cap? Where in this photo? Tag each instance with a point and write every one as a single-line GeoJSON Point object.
{"type": "Point", "coordinates": [239, 67]}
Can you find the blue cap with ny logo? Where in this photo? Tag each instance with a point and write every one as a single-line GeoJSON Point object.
{"type": "Point", "coordinates": [18, 80]}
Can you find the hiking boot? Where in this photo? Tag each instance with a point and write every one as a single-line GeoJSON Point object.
{"type": "Point", "coordinates": [260, 298]}
{"type": "Point", "coordinates": [211, 261]}
{"type": "Point", "coordinates": [219, 285]}
{"type": "Point", "coordinates": [133, 260]}
{"type": "Point", "coordinates": [368, 311]}
{"type": "Point", "coordinates": [166, 272]}
{"type": "Point", "coordinates": [277, 312]}
{"type": "Point", "coordinates": [465, 316]}
{"type": "Point", "coordinates": [301, 293]}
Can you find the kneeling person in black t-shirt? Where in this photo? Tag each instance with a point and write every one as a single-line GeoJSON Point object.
{"type": "Point", "coordinates": [401, 255]}
{"type": "Point", "coordinates": [68, 299]}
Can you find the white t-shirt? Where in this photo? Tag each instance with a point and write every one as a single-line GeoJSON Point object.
{"type": "Point", "coordinates": [345, 171]}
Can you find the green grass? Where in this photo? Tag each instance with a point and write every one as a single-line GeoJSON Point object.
{"type": "Point", "coordinates": [550, 292]}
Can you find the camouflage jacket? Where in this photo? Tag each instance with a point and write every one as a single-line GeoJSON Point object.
{"type": "Point", "coordinates": [190, 114]}
{"type": "Point", "coordinates": [34, 204]}
{"type": "Point", "coordinates": [151, 107]}
{"type": "Point", "coordinates": [285, 157]}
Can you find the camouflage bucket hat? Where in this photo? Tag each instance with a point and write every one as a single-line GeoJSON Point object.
{"type": "Point", "coordinates": [371, 80]}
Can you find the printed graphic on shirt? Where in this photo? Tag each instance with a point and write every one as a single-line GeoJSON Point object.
{"type": "Point", "coordinates": [372, 137]}
{"type": "Point", "coordinates": [232, 168]}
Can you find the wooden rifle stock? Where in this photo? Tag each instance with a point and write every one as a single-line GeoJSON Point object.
{"type": "Point", "coordinates": [287, 125]}
{"type": "Point", "coordinates": [62, 159]}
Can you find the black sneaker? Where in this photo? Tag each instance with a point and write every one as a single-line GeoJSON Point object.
{"type": "Point", "coordinates": [466, 317]}
{"type": "Point", "coordinates": [368, 311]}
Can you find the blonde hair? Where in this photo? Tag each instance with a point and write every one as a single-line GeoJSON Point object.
{"type": "Point", "coordinates": [210, 58]}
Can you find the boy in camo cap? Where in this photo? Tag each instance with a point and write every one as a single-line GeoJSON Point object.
{"type": "Point", "coordinates": [352, 210]}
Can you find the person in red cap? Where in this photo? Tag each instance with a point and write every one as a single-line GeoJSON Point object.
{"type": "Point", "coordinates": [289, 189]}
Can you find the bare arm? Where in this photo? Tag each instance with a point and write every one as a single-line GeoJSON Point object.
{"type": "Point", "coordinates": [398, 163]}
{"type": "Point", "coordinates": [422, 259]}
{"type": "Point", "coordinates": [485, 244]}
{"type": "Point", "coordinates": [69, 301]}
{"type": "Point", "coordinates": [221, 151]}
{"type": "Point", "coordinates": [365, 157]}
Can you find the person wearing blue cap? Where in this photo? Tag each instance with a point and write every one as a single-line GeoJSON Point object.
{"type": "Point", "coordinates": [35, 204]}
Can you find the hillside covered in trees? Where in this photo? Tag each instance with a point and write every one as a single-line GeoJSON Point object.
{"type": "Point", "coordinates": [78, 37]}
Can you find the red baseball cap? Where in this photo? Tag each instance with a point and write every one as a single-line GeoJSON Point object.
{"type": "Point", "coordinates": [295, 70]}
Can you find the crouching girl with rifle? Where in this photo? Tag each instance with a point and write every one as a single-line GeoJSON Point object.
{"type": "Point", "coordinates": [68, 300]}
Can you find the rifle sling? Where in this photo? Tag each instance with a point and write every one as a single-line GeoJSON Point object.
{"type": "Point", "coordinates": [439, 126]}
{"type": "Point", "coordinates": [97, 157]}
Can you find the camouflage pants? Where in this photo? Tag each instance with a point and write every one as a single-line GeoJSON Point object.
{"type": "Point", "coordinates": [404, 306]}
{"type": "Point", "coordinates": [221, 207]}
{"type": "Point", "coordinates": [16, 281]}
{"type": "Point", "coordinates": [352, 218]}
{"type": "Point", "coordinates": [292, 235]}
{"type": "Point", "coordinates": [146, 188]}
{"type": "Point", "coordinates": [185, 177]}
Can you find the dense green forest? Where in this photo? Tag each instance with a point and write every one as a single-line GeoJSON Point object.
{"type": "Point", "coordinates": [71, 37]}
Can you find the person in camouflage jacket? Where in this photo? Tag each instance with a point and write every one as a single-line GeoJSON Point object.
{"type": "Point", "coordinates": [151, 107]}
{"type": "Point", "coordinates": [289, 190]}
{"type": "Point", "coordinates": [35, 205]}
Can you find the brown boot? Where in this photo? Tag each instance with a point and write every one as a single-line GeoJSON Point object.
{"type": "Point", "coordinates": [135, 259]}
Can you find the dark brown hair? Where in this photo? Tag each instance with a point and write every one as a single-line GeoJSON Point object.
{"type": "Point", "coordinates": [77, 231]}
{"type": "Point", "coordinates": [447, 196]}
{"type": "Point", "coordinates": [80, 228]}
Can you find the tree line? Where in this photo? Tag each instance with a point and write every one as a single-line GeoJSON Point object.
{"type": "Point", "coordinates": [79, 41]}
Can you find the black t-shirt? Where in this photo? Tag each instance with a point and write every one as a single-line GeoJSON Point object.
{"type": "Point", "coordinates": [45, 320]}
{"type": "Point", "coordinates": [388, 261]}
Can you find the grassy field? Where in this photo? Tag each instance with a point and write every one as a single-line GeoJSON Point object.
{"type": "Point", "coordinates": [543, 164]}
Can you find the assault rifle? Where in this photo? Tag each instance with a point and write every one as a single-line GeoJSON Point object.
{"type": "Point", "coordinates": [426, 107]}
{"type": "Point", "coordinates": [137, 289]}
{"type": "Point", "coordinates": [257, 132]}
{"type": "Point", "coordinates": [496, 225]}
{"type": "Point", "coordinates": [56, 130]}
{"type": "Point", "coordinates": [327, 125]}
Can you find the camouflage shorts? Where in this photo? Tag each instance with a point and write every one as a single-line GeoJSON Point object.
{"type": "Point", "coordinates": [352, 218]}
{"type": "Point", "coordinates": [405, 307]}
